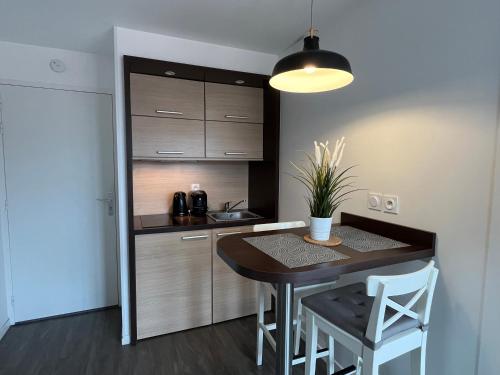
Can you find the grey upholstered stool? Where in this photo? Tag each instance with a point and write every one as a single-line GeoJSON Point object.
{"type": "Point", "coordinates": [369, 322]}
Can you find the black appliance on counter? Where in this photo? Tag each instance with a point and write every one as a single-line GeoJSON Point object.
{"type": "Point", "coordinates": [180, 204]}
{"type": "Point", "coordinates": [199, 202]}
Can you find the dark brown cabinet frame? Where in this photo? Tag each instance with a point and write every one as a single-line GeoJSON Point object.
{"type": "Point", "coordinates": [263, 176]}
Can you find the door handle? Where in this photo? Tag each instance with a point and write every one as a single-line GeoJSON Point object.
{"type": "Point", "coordinates": [227, 234]}
{"type": "Point", "coordinates": [165, 112]}
{"type": "Point", "coordinates": [170, 152]}
{"type": "Point", "coordinates": [199, 237]}
{"type": "Point", "coordinates": [236, 117]}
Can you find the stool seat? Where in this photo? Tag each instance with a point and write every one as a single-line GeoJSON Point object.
{"type": "Point", "coordinates": [349, 309]}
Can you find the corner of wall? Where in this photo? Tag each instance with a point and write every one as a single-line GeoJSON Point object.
{"type": "Point", "coordinates": [4, 328]}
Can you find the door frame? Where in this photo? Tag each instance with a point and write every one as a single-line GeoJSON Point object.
{"type": "Point", "coordinates": [4, 219]}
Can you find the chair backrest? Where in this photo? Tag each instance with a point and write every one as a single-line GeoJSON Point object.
{"type": "Point", "coordinates": [421, 283]}
{"type": "Point", "coordinates": [276, 226]}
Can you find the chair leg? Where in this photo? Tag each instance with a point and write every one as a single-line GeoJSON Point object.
{"type": "Point", "coordinates": [298, 327]}
{"type": "Point", "coordinates": [331, 355]}
{"type": "Point", "coordinates": [359, 365]}
{"type": "Point", "coordinates": [260, 319]}
{"type": "Point", "coordinates": [370, 367]}
{"type": "Point", "coordinates": [311, 344]}
{"type": "Point", "coordinates": [418, 357]}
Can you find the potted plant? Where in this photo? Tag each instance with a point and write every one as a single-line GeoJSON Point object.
{"type": "Point", "coordinates": [327, 186]}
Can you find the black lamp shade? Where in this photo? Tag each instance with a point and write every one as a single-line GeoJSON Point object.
{"type": "Point", "coordinates": [311, 70]}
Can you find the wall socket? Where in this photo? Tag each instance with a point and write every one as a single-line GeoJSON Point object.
{"type": "Point", "coordinates": [195, 187]}
{"type": "Point", "coordinates": [375, 201]}
{"type": "Point", "coordinates": [383, 202]}
{"type": "Point", "coordinates": [390, 204]}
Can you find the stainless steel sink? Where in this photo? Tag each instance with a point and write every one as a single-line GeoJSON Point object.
{"type": "Point", "coordinates": [233, 216]}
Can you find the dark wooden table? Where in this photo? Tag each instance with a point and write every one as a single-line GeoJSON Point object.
{"type": "Point", "coordinates": [250, 262]}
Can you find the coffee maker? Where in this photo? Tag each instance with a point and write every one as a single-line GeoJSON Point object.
{"type": "Point", "coordinates": [199, 202]}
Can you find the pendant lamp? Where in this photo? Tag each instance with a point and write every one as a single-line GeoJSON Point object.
{"type": "Point", "coordinates": [312, 69]}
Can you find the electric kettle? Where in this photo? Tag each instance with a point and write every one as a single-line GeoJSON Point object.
{"type": "Point", "coordinates": [180, 207]}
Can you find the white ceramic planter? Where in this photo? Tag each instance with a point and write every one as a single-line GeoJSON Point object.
{"type": "Point", "coordinates": [320, 228]}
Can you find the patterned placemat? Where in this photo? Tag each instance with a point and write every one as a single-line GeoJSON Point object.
{"type": "Point", "coordinates": [292, 251]}
{"type": "Point", "coordinates": [362, 241]}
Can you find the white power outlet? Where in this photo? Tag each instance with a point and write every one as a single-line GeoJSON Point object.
{"type": "Point", "coordinates": [374, 201]}
{"type": "Point", "coordinates": [195, 187]}
{"type": "Point", "coordinates": [390, 204]}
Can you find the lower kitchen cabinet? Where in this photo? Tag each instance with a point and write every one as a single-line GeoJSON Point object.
{"type": "Point", "coordinates": [173, 281]}
{"type": "Point", "coordinates": [234, 296]}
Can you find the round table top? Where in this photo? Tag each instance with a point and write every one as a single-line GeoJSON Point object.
{"type": "Point", "coordinates": [250, 262]}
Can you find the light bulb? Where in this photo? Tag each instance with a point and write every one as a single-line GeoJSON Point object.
{"type": "Point", "coordinates": [310, 69]}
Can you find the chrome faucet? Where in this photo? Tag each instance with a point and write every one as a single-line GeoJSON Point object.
{"type": "Point", "coordinates": [228, 207]}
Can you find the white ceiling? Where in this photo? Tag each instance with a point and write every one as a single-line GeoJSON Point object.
{"type": "Point", "coordinates": [86, 25]}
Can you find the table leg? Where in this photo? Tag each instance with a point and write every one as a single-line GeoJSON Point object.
{"type": "Point", "coordinates": [284, 329]}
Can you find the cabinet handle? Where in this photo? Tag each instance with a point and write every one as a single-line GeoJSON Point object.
{"type": "Point", "coordinates": [163, 111]}
{"type": "Point", "coordinates": [169, 152]}
{"type": "Point", "coordinates": [236, 117]}
{"type": "Point", "coordinates": [199, 237]}
{"type": "Point", "coordinates": [235, 153]}
{"type": "Point", "coordinates": [227, 234]}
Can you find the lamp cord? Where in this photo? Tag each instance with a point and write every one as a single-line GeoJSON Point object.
{"type": "Point", "coordinates": [311, 29]}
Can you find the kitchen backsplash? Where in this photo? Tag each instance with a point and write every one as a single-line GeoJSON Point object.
{"type": "Point", "coordinates": [155, 183]}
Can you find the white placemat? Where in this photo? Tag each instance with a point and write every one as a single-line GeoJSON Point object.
{"type": "Point", "coordinates": [362, 241]}
{"type": "Point", "coordinates": [292, 251]}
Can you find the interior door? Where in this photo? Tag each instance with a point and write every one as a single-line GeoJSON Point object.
{"type": "Point", "coordinates": [59, 172]}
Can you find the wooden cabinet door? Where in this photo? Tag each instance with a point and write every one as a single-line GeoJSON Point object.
{"type": "Point", "coordinates": [166, 97]}
{"type": "Point", "coordinates": [232, 140]}
{"type": "Point", "coordinates": [234, 296]}
{"type": "Point", "coordinates": [160, 138]}
{"type": "Point", "coordinates": [173, 282]}
{"type": "Point", "coordinates": [234, 103]}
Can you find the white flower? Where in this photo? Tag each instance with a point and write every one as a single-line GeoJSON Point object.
{"type": "Point", "coordinates": [338, 145]}
{"type": "Point", "coordinates": [317, 153]}
{"type": "Point", "coordinates": [340, 156]}
{"type": "Point", "coordinates": [322, 153]}
{"type": "Point", "coordinates": [326, 154]}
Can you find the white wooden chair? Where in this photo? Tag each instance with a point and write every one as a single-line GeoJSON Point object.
{"type": "Point", "coordinates": [299, 293]}
{"type": "Point", "coordinates": [370, 323]}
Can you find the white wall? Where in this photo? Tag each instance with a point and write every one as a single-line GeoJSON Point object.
{"type": "Point", "coordinates": [27, 64]}
{"type": "Point", "coordinates": [489, 360]}
{"type": "Point", "coordinates": [4, 317]}
{"type": "Point", "coordinates": [162, 47]}
{"type": "Point", "coordinates": [23, 64]}
{"type": "Point", "coordinates": [420, 120]}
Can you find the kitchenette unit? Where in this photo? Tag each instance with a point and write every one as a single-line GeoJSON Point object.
{"type": "Point", "coordinates": [202, 163]}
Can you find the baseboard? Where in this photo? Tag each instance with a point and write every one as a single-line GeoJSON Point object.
{"type": "Point", "coordinates": [66, 315]}
{"type": "Point", "coordinates": [126, 340]}
{"type": "Point", "coordinates": [4, 327]}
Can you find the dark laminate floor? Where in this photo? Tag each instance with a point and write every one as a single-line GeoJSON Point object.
{"type": "Point", "coordinates": [90, 344]}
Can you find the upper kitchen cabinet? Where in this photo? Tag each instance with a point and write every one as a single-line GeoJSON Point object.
{"type": "Point", "coordinates": [166, 97]}
{"type": "Point", "coordinates": [234, 103]}
{"type": "Point", "coordinates": [233, 140]}
{"type": "Point", "coordinates": [163, 138]}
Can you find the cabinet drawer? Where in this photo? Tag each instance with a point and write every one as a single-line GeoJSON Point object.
{"type": "Point", "coordinates": [233, 103]}
{"type": "Point", "coordinates": [167, 138]}
{"type": "Point", "coordinates": [173, 282]}
{"type": "Point", "coordinates": [234, 296]}
{"type": "Point", "coordinates": [166, 97]}
{"type": "Point", "coordinates": [232, 140]}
